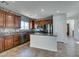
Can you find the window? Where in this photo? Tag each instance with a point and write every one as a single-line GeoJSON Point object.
{"type": "Point", "coordinates": [24, 25]}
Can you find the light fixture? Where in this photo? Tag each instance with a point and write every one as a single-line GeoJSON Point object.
{"type": "Point", "coordinates": [57, 11]}
{"type": "Point", "coordinates": [42, 10]}
{"type": "Point", "coordinates": [77, 42]}
{"type": "Point", "coordinates": [13, 1]}
{"type": "Point", "coordinates": [4, 2]}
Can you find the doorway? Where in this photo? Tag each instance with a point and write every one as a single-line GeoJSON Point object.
{"type": "Point", "coordinates": [70, 28]}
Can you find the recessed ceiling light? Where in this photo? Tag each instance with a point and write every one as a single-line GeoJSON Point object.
{"type": "Point", "coordinates": [58, 11]}
{"type": "Point", "coordinates": [13, 1]}
{"type": "Point", "coordinates": [77, 42]}
{"type": "Point", "coordinates": [42, 10]}
{"type": "Point", "coordinates": [4, 2]}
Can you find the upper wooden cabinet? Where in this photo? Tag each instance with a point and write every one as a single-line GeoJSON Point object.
{"type": "Point", "coordinates": [17, 21]}
{"type": "Point", "coordinates": [2, 18]}
{"type": "Point", "coordinates": [32, 24]}
{"type": "Point", "coordinates": [44, 22]}
{"type": "Point", "coordinates": [9, 20]}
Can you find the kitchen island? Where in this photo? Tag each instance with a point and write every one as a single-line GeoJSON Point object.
{"type": "Point", "coordinates": [43, 41]}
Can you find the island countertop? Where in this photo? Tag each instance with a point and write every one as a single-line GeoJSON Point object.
{"type": "Point", "coordinates": [44, 34]}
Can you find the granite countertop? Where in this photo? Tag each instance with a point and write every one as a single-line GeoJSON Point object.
{"type": "Point", "coordinates": [8, 34]}
{"type": "Point", "coordinates": [12, 33]}
{"type": "Point", "coordinates": [2, 34]}
{"type": "Point", "coordinates": [5, 34]}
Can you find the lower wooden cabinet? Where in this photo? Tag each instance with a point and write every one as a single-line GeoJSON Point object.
{"type": "Point", "coordinates": [16, 40]}
{"type": "Point", "coordinates": [1, 44]}
{"type": "Point", "coordinates": [8, 42]}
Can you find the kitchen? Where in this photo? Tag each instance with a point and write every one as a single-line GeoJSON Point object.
{"type": "Point", "coordinates": [12, 36]}
{"type": "Point", "coordinates": [13, 32]}
{"type": "Point", "coordinates": [32, 29]}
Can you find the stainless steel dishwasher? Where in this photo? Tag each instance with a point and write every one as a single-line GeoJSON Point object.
{"type": "Point", "coordinates": [22, 38]}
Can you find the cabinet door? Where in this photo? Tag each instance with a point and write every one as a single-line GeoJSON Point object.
{"type": "Point", "coordinates": [17, 21]}
{"type": "Point", "coordinates": [2, 18]}
{"type": "Point", "coordinates": [9, 20]}
{"type": "Point", "coordinates": [16, 40]}
{"type": "Point", "coordinates": [8, 42]}
{"type": "Point", "coordinates": [1, 44]}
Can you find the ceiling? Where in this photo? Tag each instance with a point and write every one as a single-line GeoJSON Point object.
{"type": "Point", "coordinates": [39, 9]}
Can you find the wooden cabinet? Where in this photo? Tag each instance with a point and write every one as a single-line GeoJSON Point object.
{"type": "Point", "coordinates": [8, 42]}
{"type": "Point", "coordinates": [2, 18]}
{"type": "Point", "coordinates": [44, 22]}
{"type": "Point", "coordinates": [17, 21]}
{"type": "Point", "coordinates": [9, 20]}
{"type": "Point", "coordinates": [16, 40]}
{"type": "Point", "coordinates": [1, 44]}
{"type": "Point", "coordinates": [32, 24]}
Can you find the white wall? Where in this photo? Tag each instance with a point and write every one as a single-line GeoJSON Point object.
{"type": "Point", "coordinates": [59, 27]}
{"type": "Point", "coordinates": [76, 29]}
